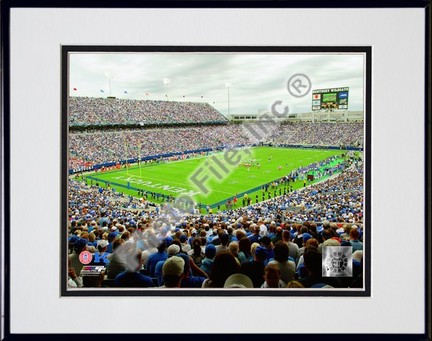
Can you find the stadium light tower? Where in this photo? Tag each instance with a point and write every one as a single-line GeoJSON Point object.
{"type": "Point", "coordinates": [166, 82]}
{"type": "Point", "coordinates": [228, 86]}
{"type": "Point", "coordinates": [109, 76]}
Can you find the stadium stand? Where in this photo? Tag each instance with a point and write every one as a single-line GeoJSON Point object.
{"type": "Point", "coordinates": [320, 134]}
{"type": "Point", "coordinates": [97, 146]}
{"type": "Point", "coordinates": [107, 111]}
{"type": "Point", "coordinates": [329, 212]}
{"type": "Point", "coordinates": [113, 145]}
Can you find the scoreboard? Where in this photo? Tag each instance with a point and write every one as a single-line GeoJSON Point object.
{"type": "Point", "coordinates": [333, 98]}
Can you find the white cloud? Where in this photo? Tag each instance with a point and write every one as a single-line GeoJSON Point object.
{"type": "Point", "coordinates": [256, 80]}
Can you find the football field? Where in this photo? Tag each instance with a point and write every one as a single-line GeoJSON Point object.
{"type": "Point", "coordinates": [215, 178]}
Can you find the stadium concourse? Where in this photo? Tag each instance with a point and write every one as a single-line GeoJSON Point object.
{"type": "Point", "coordinates": [275, 243]}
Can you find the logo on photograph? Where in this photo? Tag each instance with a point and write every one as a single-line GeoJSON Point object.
{"type": "Point", "coordinates": [299, 85]}
{"type": "Point", "coordinates": [316, 96]}
{"type": "Point", "coordinates": [337, 261]}
{"type": "Point", "coordinates": [85, 257]}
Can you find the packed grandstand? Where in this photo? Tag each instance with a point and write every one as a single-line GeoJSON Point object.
{"type": "Point", "coordinates": [140, 243]}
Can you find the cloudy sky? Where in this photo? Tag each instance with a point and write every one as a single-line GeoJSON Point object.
{"type": "Point", "coordinates": [253, 82]}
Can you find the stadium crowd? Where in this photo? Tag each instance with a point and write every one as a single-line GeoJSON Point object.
{"type": "Point", "coordinates": [273, 244]}
{"type": "Point", "coordinates": [276, 243]}
{"type": "Point", "coordinates": [320, 134]}
{"type": "Point", "coordinates": [103, 111]}
{"type": "Point", "coordinates": [114, 145]}
{"type": "Point", "coordinates": [100, 146]}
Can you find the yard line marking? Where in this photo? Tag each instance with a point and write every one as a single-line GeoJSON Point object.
{"type": "Point", "coordinates": [171, 182]}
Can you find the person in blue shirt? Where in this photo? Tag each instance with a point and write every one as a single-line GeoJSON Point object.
{"type": "Point", "coordinates": [161, 254]}
{"type": "Point", "coordinates": [207, 262]}
{"type": "Point", "coordinates": [131, 277]}
{"type": "Point", "coordinates": [193, 276]}
{"type": "Point", "coordinates": [354, 240]}
{"type": "Point", "coordinates": [254, 237]}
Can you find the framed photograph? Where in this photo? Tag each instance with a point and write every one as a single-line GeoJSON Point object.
{"type": "Point", "coordinates": [219, 157]}
{"type": "Point", "coordinates": [185, 164]}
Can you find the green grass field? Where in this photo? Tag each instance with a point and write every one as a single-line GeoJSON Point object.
{"type": "Point", "coordinates": [173, 178]}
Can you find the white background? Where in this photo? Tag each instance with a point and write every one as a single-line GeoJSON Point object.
{"type": "Point", "coordinates": [397, 39]}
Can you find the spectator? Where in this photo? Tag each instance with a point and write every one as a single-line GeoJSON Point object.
{"type": "Point", "coordinates": [131, 277]}
{"type": "Point", "coordinates": [208, 261]}
{"type": "Point", "coordinates": [196, 252]}
{"type": "Point", "coordinates": [292, 247]}
{"type": "Point", "coordinates": [277, 236]}
{"type": "Point", "coordinates": [160, 255]}
{"type": "Point", "coordinates": [172, 250]}
{"type": "Point", "coordinates": [117, 260]}
{"type": "Point", "coordinates": [272, 277]}
{"type": "Point", "coordinates": [299, 238]}
{"type": "Point", "coordinates": [224, 241]}
{"type": "Point", "coordinates": [286, 267]}
{"type": "Point", "coordinates": [234, 249]}
{"type": "Point", "coordinates": [172, 272]}
{"type": "Point", "coordinates": [354, 240]}
{"type": "Point", "coordinates": [79, 245]}
{"type": "Point", "coordinates": [149, 249]}
{"type": "Point", "coordinates": [255, 269]}
{"type": "Point", "coordinates": [305, 237]}
{"type": "Point", "coordinates": [224, 266]}
{"type": "Point", "coordinates": [255, 236]}
{"type": "Point", "coordinates": [185, 247]}
{"type": "Point", "coordinates": [193, 276]}
{"type": "Point", "coordinates": [74, 281]}
{"type": "Point", "coordinates": [245, 249]}
{"type": "Point", "coordinates": [267, 243]}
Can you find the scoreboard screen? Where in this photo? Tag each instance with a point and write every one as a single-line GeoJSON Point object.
{"type": "Point", "coordinates": [333, 98]}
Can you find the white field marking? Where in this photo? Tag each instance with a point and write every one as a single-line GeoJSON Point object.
{"type": "Point", "coordinates": [176, 183]}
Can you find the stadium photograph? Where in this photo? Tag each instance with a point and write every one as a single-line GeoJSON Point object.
{"type": "Point", "coordinates": [206, 171]}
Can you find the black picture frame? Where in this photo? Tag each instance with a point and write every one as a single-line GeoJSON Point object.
{"type": "Point", "coordinates": [7, 6]}
{"type": "Point", "coordinates": [66, 50]}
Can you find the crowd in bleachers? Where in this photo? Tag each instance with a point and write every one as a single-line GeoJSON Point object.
{"type": "Point", "coordinates": [103, 111]}
{"type": "Point", "coordinates": [114, 145]}
{"type": "Point", "coordinates": [320, 134]}
{"type": "Point", "coordinates": [339, 197]}
{"type": "Point", "coordinates": [273, 244]}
